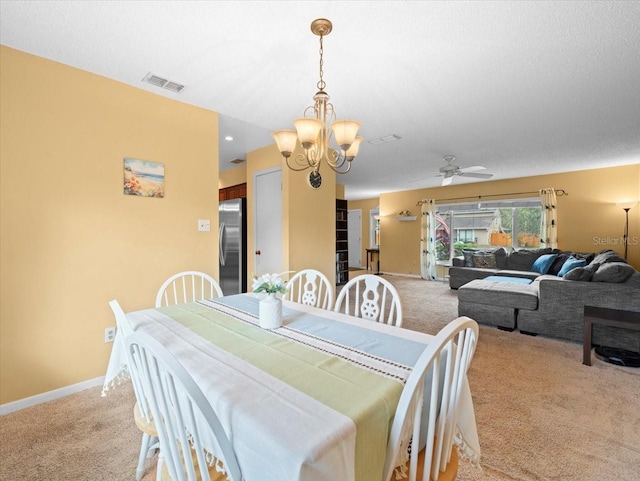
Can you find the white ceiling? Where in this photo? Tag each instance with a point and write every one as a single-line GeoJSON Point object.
{"type": "Point", "coordinates": [519, 87]}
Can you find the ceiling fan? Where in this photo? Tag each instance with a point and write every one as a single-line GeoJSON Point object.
{"type": "Point", "coordinates": [450, 170]}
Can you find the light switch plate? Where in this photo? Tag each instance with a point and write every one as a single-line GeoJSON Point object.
{"type": "Point", "coordinates": [204, 225]}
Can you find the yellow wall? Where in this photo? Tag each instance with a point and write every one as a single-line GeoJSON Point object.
{"type": "Point", "coordinates": [588, 219]}
{"type": "Point", "coordinates": [308, 216]}
{"type": "Point", "coordinates": [365, 206]}
{"type": "Point", "coordinates": [70, 240]}
{"type": "Point", "coordinates": [235, 176]}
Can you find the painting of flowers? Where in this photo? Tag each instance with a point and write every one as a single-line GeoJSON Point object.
{"type": "Point", "coordinates": [143, 178]}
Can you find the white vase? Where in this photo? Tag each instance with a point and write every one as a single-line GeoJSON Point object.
{"type": "Point", "coordinates": [270, 312]}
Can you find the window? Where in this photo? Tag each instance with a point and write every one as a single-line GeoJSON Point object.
{"type": "Point", "coordinates": [507, 223]}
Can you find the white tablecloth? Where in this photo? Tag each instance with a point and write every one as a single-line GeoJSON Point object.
{"type": "Point", "coordinates": [278, 432]}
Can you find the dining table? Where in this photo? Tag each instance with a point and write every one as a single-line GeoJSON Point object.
{"type": "Point", "coordinates": [312, 400]}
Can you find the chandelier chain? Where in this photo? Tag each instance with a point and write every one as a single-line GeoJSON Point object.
{"type": "Point", "coordinates": [321, 83]}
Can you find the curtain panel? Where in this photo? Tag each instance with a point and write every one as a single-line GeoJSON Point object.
{"type": "Point", "coordinates": [549, 228]}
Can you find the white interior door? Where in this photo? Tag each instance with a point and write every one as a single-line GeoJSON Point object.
{"type": "Point", "coordinates": [268, 222]}
{"type": "Point", "coordinates": [354, 226]}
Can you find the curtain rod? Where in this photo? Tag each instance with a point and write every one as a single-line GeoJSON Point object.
{"type": "Point", "coordinates": [559, 193]}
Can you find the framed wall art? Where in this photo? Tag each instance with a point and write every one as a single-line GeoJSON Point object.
{"type": "Point", "coordinates": [143, 178]}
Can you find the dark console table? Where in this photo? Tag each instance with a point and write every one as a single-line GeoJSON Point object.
{"type": "Point", "coordinates": [370, 254]}
{"type": "Point", "coordinates": [606, 317]}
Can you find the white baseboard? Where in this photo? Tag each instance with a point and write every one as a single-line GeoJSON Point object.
{"type": "Point", "coordinates": [50, 395]}
{"type": "Point", "coordinates": [415, 276]}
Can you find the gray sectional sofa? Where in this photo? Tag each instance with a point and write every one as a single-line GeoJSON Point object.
{"type": "Point", "coordinates": [550, 305]}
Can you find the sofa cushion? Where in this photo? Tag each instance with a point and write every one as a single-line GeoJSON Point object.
{"type": "Point", "coordinates": [522, 260]}
{"type": "Point", "coordinates": [571, 263]}
{"type": "Point", "coordinates": [613, 272]}
{"type": "Point", "coordinates": [557, 264]}
{"type": "Point", "coordinates": [496, 293]}
{"type": "Point", "coordinates": [607, 256]}
{"type": "Point", "coordinates": [543, 263]}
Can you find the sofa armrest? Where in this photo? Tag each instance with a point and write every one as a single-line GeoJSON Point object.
{"type": "Point", "coordinates": [457, 261]}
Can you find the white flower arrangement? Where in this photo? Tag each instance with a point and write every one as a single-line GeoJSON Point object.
{"type": "Point", "coordinates": [269, 283]}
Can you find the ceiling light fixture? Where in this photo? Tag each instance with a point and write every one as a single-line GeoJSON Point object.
{"type": "Point", "coordinates": [314, 132]}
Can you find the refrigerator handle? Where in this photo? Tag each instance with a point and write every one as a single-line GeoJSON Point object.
{"type": "Point", "coordinates": [220, 237]}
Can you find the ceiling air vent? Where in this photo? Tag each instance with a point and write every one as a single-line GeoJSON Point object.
{"type": "Point", "coordinates": [385, 139]}
{"type": "Point", "coordinates": [163, 83]}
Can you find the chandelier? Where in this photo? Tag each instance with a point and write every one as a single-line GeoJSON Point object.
{"type": "Point", "coordinates": [315, 129]}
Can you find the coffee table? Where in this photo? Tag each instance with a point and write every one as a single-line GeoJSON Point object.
{"type": "Point", "coordinates": [605, 317]}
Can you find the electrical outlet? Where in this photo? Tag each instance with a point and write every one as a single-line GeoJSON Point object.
{"type": "Point", "coordinates": [109, 334]}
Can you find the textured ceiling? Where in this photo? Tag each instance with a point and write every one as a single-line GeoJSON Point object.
{"type": "Point", "coordinates": [521, 88]}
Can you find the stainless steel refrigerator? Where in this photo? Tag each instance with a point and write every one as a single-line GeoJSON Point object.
{"type": "Point", "coordinates": [233, 246]}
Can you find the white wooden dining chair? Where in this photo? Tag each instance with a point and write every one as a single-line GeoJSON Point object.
{"type": "Point", "coordinates": [187, 286]}
{"type": "Point", "coordinates": [442, 370]}
{"type": "Point", "coordinates": [370, 297]}
{"type": "Point", "coordinates": [141, 413]}
{"type": "Point", "coordinates": [310, 287]}
{"type": "Point", "coordinates": [192, 439]}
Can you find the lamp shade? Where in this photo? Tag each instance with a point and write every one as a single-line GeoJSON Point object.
{"type": "Point", "coordinates": [345, 132]}
{"type": "Point", "coordinates": [627, 205]}
{"type": "Point", "coordinates": [285, 140]}
{"type": "Point", "coordinates": [355, 146]}
{"type": "Point", "coordinates": [308, 130]}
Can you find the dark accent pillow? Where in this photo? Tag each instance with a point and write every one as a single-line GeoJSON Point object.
{"type": "Point", "coordinates": [579, 274]}
{"type": "Point", "coordinates": [543, 263]}
{"type": "Point", "coordinates": [468, 256]}
{"type": "Point", "coordinates": [587, 256]}
{"type": "Point", "coordinates": [484, 259]}
{"type": "Point", "coordinates": [613, 272]}
{"type": "Point", "coordinates": [501, 257]}
{"type": "Point", "coordinates": [569, 264]}
{"type": "Point", "coordinates": [556, 265]}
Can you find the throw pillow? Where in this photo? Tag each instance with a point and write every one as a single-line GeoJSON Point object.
{"type": "Point", "coordinates": [579, 274]}
{"type": "Point", "coordinates": [557, 263]}
{"type": "Point", "coordinates": [613, 272]}
{"type": "Point", "coordinates": [501, 257]}
{"type": "Point", "coordinates": [468, 257]}
{"type": "Point", "coordinates": [543, 263]}
{"type": "Point", "coordinates": [484, 259]}
{"type": "Point", "coordinates": [571, 263]}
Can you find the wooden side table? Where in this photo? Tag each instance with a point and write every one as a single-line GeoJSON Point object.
{"type": "Point", "coordinates": [605, 317]}
{"type": "Point", "coordinates": [370, 254]}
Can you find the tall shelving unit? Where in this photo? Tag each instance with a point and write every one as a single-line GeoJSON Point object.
{"type": "Point", "coordinates": [342, 243]}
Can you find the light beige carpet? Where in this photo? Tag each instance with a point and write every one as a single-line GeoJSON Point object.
{"type": "Point", "coordinates": [541, 414]}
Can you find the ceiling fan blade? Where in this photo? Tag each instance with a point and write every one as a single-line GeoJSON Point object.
{"type": "Point", "coordinates": [429, 175]}
{"type": "Point", "coordinates": [472, 168]}
{"type": "Point", "coordinates": [447, 180]}
{"type": "Point", "coordinates": [473, 174]}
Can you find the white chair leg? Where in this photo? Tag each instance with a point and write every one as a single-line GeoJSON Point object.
{"type": "Point", "coordinates": [144, 449]}
{"type": "Point", "coordinates": [159, 470]}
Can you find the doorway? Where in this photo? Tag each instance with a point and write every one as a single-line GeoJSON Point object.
{"type": "Point", "coordinates": [267, 210]}
{"type": "Point", "coordinates": [354, 227]}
